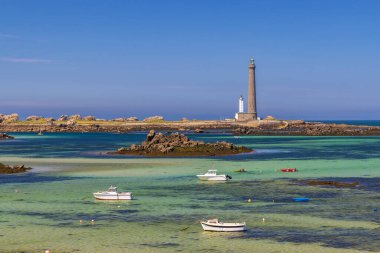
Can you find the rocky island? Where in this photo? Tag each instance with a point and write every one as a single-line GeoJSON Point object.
{"type": "Point", "coordinates": [177, 144]}
{"type": "Point", "coordinates": [8, 169]}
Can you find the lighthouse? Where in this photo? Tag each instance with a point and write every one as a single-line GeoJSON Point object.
{"type": "Point", "coordinates": [252, 110]}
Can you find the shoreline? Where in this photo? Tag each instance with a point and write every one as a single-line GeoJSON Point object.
{"type": "Point", "coordinates": [262, 127]}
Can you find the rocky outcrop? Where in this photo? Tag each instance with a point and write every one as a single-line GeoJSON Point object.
{"type": "Point", "coordinates": [132, 119]}
{"type": "Point", "coordinates": [14, 117]}
{"type": "Point", "coordinates": [154, 118]}
{"type": "Point", "coordinates": [119, 120]}
{"type": "Point", "coordinates": [75, 117]}
{"type": "Point", "coordinates": [34, 118]}
{"type": "Point", "coordinates": [179, 145]}
{"type": "Point", "coordinates": [8, 169]}
{"type": "Point", "coordinates": [5, 136]}
{"type": "Point", "coordinates": [89, 118]}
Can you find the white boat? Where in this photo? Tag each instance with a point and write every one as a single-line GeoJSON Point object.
{"type": "Point", "coordinates": [112, 194]}
{"type": "Point", "coordinates": [211, 175]}
{"type": "Point", "coordinates": [217, 226]}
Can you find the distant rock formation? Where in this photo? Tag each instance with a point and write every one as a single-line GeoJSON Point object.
{"type": "Point", "coordinates": [179, 145]}
{"type": "Point", "coordinates": [154, 118]}
{"type": "Point", "coordinates": [299, 127]}
{"type": "Point", "coordinates": [118, 120]}
{"type": "Point", "coordinates": [89, 118]}
{"type": "Point", "coordinates": [132, 119]}
{"type": "Point", "coordinates": [34, 118]}
{"type": "Point", "coordinates": [14, 117]}
{"type": "Point", "coordinates": [75, 117]}
{"type": "Point", "coordinates": [5, 136]}
{"type": "Point", "coordinates": [8, 169]}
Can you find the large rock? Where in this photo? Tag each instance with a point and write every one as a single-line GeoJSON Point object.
{"type": "Point", "coordinates": [154, 118]}
{"type": "Point", "coordinates": [177, 144]}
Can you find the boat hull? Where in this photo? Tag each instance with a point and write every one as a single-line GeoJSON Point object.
{"type": "Point", "coordinates": [223, 227]}
{"type": "Point", "coordinates": [100, 196]}
{"type": "Point", "coordinates": [212, 178]}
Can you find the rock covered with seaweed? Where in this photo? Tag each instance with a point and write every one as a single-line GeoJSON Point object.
{"type": "Point", "coordinates": [176, 144]}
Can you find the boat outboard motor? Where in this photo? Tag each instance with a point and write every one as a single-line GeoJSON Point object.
{"type": "Point", "coordinates": [228, 176]}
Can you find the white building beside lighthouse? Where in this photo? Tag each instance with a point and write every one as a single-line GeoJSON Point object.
{"type": "Point", "coordinates": [241, 107]}
{"type": "Point", "coordinates": [241, 104]}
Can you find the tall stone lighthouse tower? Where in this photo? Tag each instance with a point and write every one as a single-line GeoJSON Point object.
{"type": "Point", "coordinates": [252, 111]}
{"type": "Point", "coordinates": [252, 89]}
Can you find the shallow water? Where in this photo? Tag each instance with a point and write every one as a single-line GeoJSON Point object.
{"type": "Point", "coordinates": [42, 208]}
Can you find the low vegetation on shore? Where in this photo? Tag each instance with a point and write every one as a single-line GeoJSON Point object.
{"type": "Point", "coordinates": [177, 144]}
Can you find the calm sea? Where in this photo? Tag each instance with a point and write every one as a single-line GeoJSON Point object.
{"type": "Point", "coordinates": [42, 209]}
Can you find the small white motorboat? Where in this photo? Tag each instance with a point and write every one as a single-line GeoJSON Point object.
{"type": "Point", "coordinates": [211, 175]}
{"type": "Point", "coordinates": [112, 194]}
{"type": "Point", "coordinates": [217, 226]}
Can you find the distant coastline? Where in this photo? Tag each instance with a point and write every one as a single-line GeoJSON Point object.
{"type": "Point", "coordinates": [267, 126]}
{"type": "Point", "coordinates": [350, 122]}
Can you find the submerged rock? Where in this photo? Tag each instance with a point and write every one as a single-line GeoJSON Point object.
{"type": "Point", "coordinates": [5, 136]}
{"type": "Point", "coordinates": [177, 144]}
{"type": "Point", "coordinates": [8, 169]}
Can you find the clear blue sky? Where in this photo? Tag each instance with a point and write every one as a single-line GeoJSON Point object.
{"type": "Point", "coordinates": [315, 59]}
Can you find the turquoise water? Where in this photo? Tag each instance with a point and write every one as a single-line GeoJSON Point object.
{"type": "Point", "coordinates": [42, 208]}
